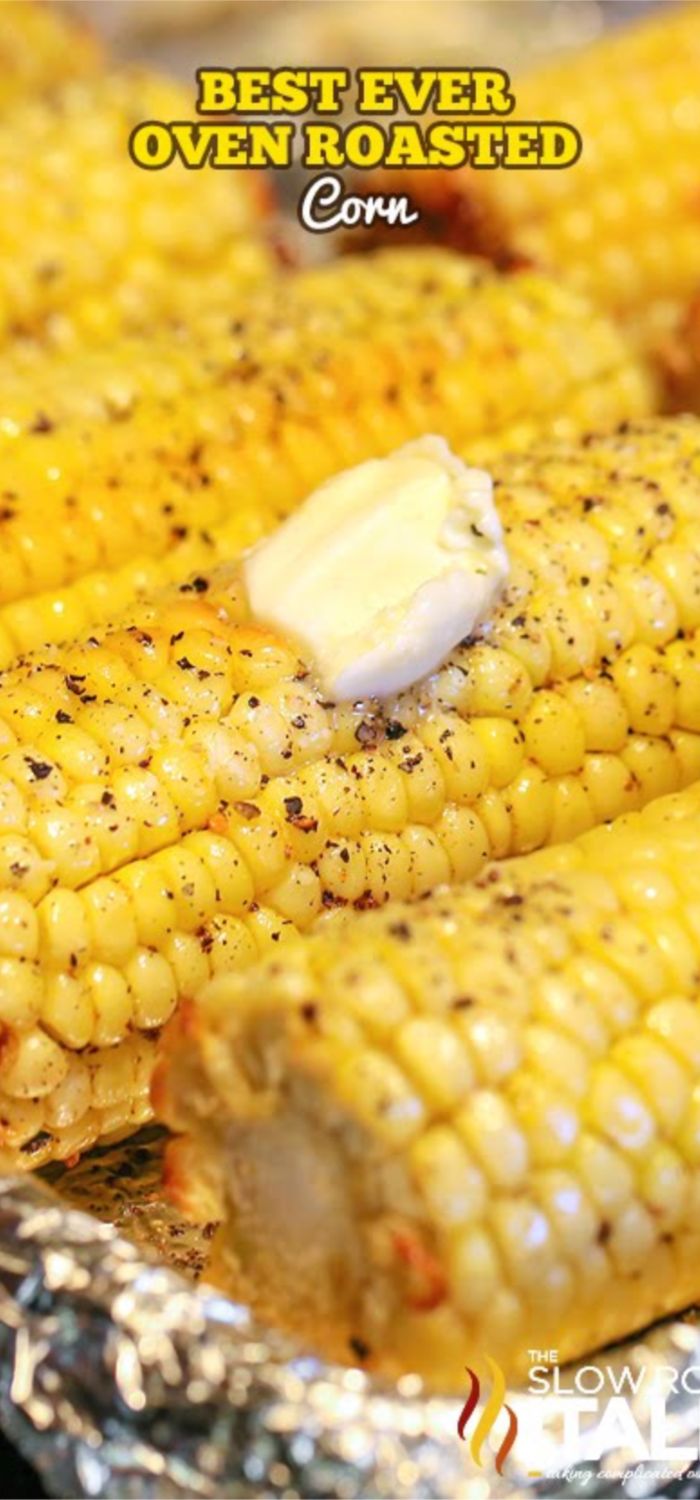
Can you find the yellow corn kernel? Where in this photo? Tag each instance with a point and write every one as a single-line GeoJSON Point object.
{"type": "Point", "coordinates": [507, 1071]}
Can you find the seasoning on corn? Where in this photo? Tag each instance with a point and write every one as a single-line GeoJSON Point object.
{"type": "Point", "coordinates": [89, 243]}
{"type": "Point", "coordinates": [622, 224]}
{"type": "Point", "coordinates": [110, 466]}
{"type": "Point", "coordinates": [177, 792]}
{"type": "Point", "coordinates": [41, 47]}
{"type": "Point", "coordinates": [466, 1128]}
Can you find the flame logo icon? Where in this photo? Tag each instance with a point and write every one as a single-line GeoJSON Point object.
{"type": "Point", "coordinates": [495, 1404]}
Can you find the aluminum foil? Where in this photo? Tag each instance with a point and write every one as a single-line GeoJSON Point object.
{"type": "Point", "coordinates": [121, 1377]}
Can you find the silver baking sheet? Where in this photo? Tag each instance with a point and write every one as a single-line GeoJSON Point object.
{"type": "Point", "coordinates": [123, 1375]}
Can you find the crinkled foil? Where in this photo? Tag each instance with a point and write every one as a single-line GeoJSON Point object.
{"type": "Point", "coordinates": [119, 1376]}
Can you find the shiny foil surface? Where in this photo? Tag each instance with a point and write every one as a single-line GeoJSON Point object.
{"type": "Point", "coordinates": [121, 1377]}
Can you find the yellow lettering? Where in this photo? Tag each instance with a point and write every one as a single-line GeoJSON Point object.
{"type": "Point", "coordinates": [375, 93]}
{"type": "Point", "coordinates": [322, 146]}
{"type": "Point", "coordinates": [560, 145]}
{"type": "Point", "coordinates": [216, 90]}
{"type": "Point", "coordinates": [151, 145]}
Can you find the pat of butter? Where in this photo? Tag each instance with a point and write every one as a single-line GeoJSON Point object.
{"type": "Point", "coordinates": [383, 569]}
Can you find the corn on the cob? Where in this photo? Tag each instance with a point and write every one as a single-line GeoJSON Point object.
{"type": "Point", "coordinates": [467, 1128]}
{"type": "Point", "coordinates": [40, 48]}
{"type": "Point", "coordinates": [161, 779]}
{"type": "Point", "coordinates": [623, 223]}
{"type": "Point", "coordinates": [89, 240]}
{"type": "Point", "coordinates": [108, 460]}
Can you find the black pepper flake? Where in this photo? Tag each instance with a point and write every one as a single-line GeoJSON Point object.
{"type": "Point", "coordinates": [247, 810]}
{"type": "Point", "coordinates": [40, 769]}
{"type": "Point", "coordinates": [309, 1011]}
{"type": "Point", "coordinates": [366, 902]}
{"type": "Point", "coordinates": [185, 663]}
{"type": "Point", "coordinates": [200, 585]}
{"type": "Point", "coordinates": [401, 931]}
{"type": "Point", "coordinates": [294, 806]}
{"type": "Point", "coordinates": [367, 733]}
{"type": "Point", "coordinates": [409, 763]}
{"type": "Point", "coordinates": [62, 717]}
{"type": "Point", "coordinates": [359, 1348]}
{"type": "Point", "coordinates": [42, 423]}
{"type": "Point", "coordinates": [395, 730]}
{"type": "Point", "coordinates": [205, 939]}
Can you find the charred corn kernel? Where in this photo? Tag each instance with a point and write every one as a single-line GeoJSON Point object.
{"type": "Point", "coordinates": [555, 1193]}
{"type": "Point", "coordinates": [147, 870]}
{"type": "Point", "coordinates": [41, 49]}
{"type": "Point", "coordinates": [620, 222]}
{"type": "Point", "coordinates": [113, 498]}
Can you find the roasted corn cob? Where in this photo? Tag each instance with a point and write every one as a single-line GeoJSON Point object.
{"type": "Point", "coordinates": [161, 779]}
{"type": "Point", "coordinates": [623, 223]}
{"type": "Point", "coordinates": [91, 243]}
{"type": "Point", "coordinates": [40, 48]}
{"type": "Point", "coordinates": [467, 1128]}
{"type": "Point", "coordinates": [110, 463]}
